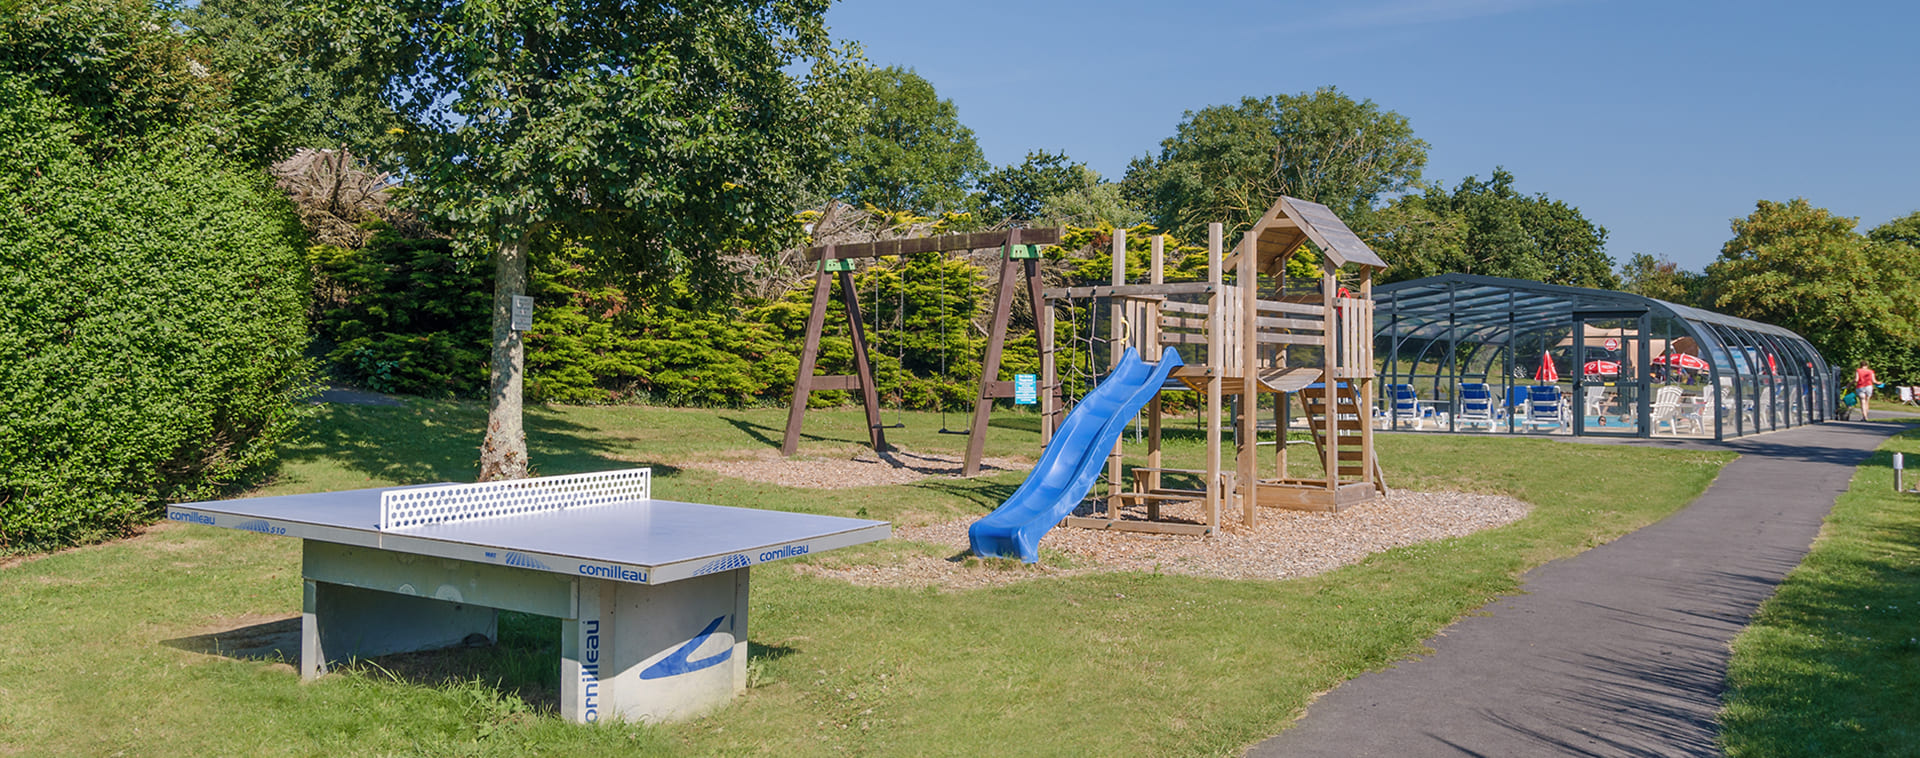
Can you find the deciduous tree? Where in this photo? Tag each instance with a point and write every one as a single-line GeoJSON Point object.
{"type": "Point", "coordinates": [661, 137]}
{"type": "Point", "coordinates": [911, 153]}
{"type": "Point", "coordinates": [1904, 230]}
{"type": "Point", "coordinates": [1017, 194]}
{"type": "Point", "coordinates": [1486, 227]}
{"type": "Point", "coordinates": [1661, 279]}
{"type": "Point", "coordinates": [1229, 163]}
{"type": "Point", "coordinates": [1806, 269]}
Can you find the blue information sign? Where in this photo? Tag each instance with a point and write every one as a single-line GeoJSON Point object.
{"type": "Point", "coordinates": [1026, 389]}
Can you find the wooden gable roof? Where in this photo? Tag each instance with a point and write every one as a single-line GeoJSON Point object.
{"type": "Point", "coordinates": [1289, 224]}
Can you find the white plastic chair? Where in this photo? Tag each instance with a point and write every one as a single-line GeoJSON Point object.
{"type": "Point", "coordinates": [1407, 406]}
{"type": "Point", "coordinates": [1667, 409]}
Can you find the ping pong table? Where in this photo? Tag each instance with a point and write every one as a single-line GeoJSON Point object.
{"type": "Point", "coordinates": [652, 594]}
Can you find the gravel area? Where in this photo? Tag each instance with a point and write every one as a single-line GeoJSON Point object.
{"type": "Point", "coordinates": [1285, 545]}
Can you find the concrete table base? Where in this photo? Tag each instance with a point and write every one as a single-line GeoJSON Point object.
{"type": "Point", "coordinates": [628, 651]}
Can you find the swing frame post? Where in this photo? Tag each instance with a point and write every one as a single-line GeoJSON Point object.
{"type": "Point", "coordinates": [991, 387]}
{"type": "Point", "coordinates": [806, 382]}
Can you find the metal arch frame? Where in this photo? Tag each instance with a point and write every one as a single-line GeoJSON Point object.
{"type": "Point", "coordinates": [1441, 309]}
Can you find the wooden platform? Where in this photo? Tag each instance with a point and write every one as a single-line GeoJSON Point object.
{"type": "Point", "coordinates": [1314, 496]}
{"type": "Point", "coordinates": [1270, 381]}
{"type": "Point", "coordinates": [1135, 525]}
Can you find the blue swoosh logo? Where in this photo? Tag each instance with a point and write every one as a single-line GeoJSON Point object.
{"type": "Point", "coordinates": [676, 662]}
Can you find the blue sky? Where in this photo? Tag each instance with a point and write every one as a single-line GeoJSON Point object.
{"type": "Point", "coordinates": [1659, 120]}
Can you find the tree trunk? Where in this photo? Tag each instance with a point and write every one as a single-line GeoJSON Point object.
{"type": "Point", "coordinates": [503, 455]}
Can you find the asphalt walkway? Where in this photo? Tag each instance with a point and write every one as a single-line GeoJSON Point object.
{"type": "Point", "coordinates": [1619, 651]}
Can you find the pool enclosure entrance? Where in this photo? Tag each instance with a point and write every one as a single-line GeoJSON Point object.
{"type": "Point", "coordinates": [1464, 353]}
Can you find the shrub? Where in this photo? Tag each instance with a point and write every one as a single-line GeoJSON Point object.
{"type": "Point", "coordinates": [415, 319]}
{"type": "Point", "coordinates": [154, 324]}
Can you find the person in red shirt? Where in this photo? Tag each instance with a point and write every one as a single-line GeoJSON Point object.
{"type": "Point", "coordinates": [1863, 381]}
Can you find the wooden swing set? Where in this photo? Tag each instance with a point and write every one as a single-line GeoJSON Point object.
{"type": "Point", "coordinates": [1019, 263]}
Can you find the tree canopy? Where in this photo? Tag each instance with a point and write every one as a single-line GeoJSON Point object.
{"type": "Point", "coordinates": [1228, 163]}
{"type": "Point", "coordinates": [1019, 193]}
{"type": "Point", "coordinates": [658, 138]}
{"type": "Point", "coordinates": [1661, 279]}
{"type": "Point", "coordinates": [1806, 269]}
{"type": "Point", "coordinates": [290, 99]}
{"type": "Point", "coordinates": [1904, 230]}
{"type": "Point", "coordinates": [910, 153]}
{"type": "Point", "coordinates": [1486, 227]}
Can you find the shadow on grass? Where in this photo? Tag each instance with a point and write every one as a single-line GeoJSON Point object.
{"type": "Point", "coordinates": [524, 663]}
{"type": "Point", "coordinates": [772, 436]}
{"type": "Point", "coordinates": [986, 495]}
{"type": "Point", "coordinates": [761, 433]}
{"type": "Point", "coordinates": [439, 441]}
{"type": "Point", "coordinates": [267, 641]}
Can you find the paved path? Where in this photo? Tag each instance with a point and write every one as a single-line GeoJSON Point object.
{"type": "Point", "coordinates": [1619, 651]}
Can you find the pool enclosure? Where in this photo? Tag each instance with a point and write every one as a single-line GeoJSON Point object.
{"type": "Point", "coordinates": [1466, 353]}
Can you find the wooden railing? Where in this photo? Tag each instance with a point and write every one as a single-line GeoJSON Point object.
{"type": "Point", "coordinates": [1353, 330]}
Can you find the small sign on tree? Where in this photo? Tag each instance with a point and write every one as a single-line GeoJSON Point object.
{"type": "Point", "coordinates": [522, 313]}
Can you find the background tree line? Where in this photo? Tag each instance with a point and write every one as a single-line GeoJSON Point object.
{"type": "Point", "coordinates": [208, 208]}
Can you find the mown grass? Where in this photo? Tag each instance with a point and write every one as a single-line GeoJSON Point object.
{"type": "Point", "coordinates": [97, 652]}
{"type": "Point", "coordinates": [1831, 664]}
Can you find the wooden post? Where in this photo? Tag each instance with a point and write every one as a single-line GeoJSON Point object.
{"type": "Point", "coordinates": [1216, 344]}
{"type": "Point", "coordinates": [990, 371]}
{"type": "Point", "coordinates": [803, 381]}
{"type": "Point", "coordinates": [1330, 376]}
{"type": "Point", "coordinates": [1115, 310]}
{"type": "Point", "coordinates": [1151, 323]}
{"type": "Point", "coordinates": [863, 368]}
{"type": "Point", "coordinates": [1283, 403]}
{"type": "Point", "coordinates": [1248, 462]}
{"type": "Point", "coordinates": [1363, 394]}
{"type": "Point", "coordinates": [1043, 340]}
{"type": "Point", "coordinates": [1050, 397]}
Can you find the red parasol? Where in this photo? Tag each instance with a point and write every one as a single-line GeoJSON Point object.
{"type": "Point", "coordinates": [1601, 367]}
{"type": "Point", "coordinates": [1547, 373]}
{"type": "Point", "coordinates": [1686, 361]}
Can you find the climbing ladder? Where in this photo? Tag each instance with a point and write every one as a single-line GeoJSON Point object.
{"type": "Point", "coordinates": [1349, 429]}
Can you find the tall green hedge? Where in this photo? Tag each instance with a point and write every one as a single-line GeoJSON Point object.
{"type": "Point", "coordinates": [152, 323]}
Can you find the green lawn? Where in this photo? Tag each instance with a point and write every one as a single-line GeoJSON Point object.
{"type": "Point", "coordinates": [100, 648]}
{"type": "Point", "coordinates": [1831, 665]}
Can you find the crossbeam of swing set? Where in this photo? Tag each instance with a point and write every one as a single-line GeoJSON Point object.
{"type": "Point", "coordinates": [942, 244]}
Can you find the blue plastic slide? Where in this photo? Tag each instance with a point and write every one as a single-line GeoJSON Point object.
{"type": "Point", "coordinates": [1072, 461]}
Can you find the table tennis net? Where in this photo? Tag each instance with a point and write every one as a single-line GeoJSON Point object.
{"type": "Point", "coordinates": [446, 503]}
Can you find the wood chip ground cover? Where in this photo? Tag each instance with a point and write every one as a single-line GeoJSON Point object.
{"type": "Point", "coordinates": [1285, 544]}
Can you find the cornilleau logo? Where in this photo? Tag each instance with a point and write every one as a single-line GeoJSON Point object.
{"type": "Point", "coordinates": [523, 560]}
{"type": "Point", "coordinates": [611, 571]}
{"type": "Point", "coordinates": [590, 670]}
{"type": "Point", "coordinates": [261, 526]}
{"type": "Point", "coordinates": [786, 552]}
{"type": "Point", "coordinates": [677, 662]}
{"type": "Point", "coordinates": [728, 563]}
{"type": "Point", "coordinates": [190, 517]}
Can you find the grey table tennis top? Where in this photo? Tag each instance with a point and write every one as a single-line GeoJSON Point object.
{"type": "Point", "coordinates": [644, 541]}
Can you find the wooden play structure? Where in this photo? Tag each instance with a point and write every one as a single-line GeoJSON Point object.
{"type": "Point", "coordinates": [1019, 262]}
{"type": "Point", "coordinates": [1317, 347]}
